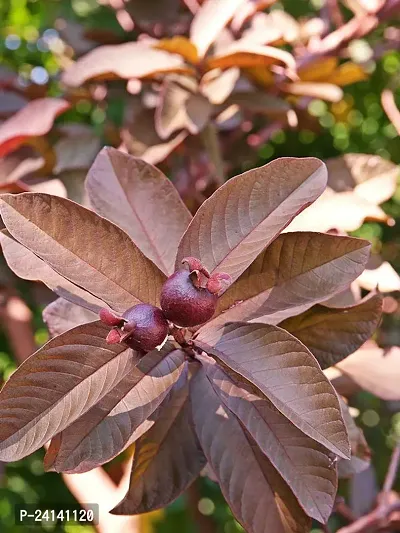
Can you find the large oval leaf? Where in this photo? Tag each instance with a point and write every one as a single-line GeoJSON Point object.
{"type": "Point", "coordinates": [331, 334]}
{"type": "Point", "coordinates": [86, 249]}
{"type": "Point", "coordinates": [142, 201]}
{"type": "Point", "coordinates": [29, 266]}
{"type": "Point", "coordinates": [256, 494]}
{"type": "Point", "coordinates": [57, 385]}
{"type": "Point", "coordinates": [246, 214]}
{"type": "Point", "coordinates": [128, 60]}
{"type": "Point", "coordinates": [305, 465]}
{"type": "Point", "coordinates": [168, 458]}
{"type": "Point", "coordinates": [62, 315]}
{"type": "Point", "coordinates": [295, 272]}
{"type": "Point", "coordinates": [285, 372]}
{"type": "Point", "coordinates": [116, 421]}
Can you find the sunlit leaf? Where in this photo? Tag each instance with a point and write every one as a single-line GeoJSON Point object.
{"type": "Point", "coordinates": [244, 215]}
{"type": "Point", "coordinates": [179, 45]}
{"type": "Point", "coordinates": [324, 91]}
{"type": "Point", "coordinates": [142, 201]}
{"type": "Point", "coordinates": [244, 54]}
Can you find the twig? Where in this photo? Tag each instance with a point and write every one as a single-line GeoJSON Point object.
{"type": "Point", "coordinates": [373, 521]}
{"type": "Point", "coordinates": [213, 148]}
{"type": "Point", "coordinates": [392, 470]}
{"type": "Point", "coordinates": [389, 105]}
{"type": "Point", "coordinates": [344, 510]}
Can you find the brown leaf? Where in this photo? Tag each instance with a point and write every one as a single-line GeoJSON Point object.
{"type": "Point", "coordinates": [10, 103]}
{"type": "Point", "coordinates": [33, 120]}
{"type": "Point", "coordinates": [38, 221]}
{"type": "Point", "coordinates": [372, 369]}
{"type": "Point", "coordinates": [29, 266]}
{"type": "Point", "coordinates": [370, 176]}
{"type": "Point", "coordinates": [247, 213]}
{"type": "Point", "coordinates": [142, 140]}
{"type": "Point", "coordinates": [179, 45]}
{"type": "Point", "coordinates": [285, 372]}
{"type": "Point", "coordinates": [304, 464]}
{"type": "Point", "coordinates": [244, 54]}
{"type": "Point", "coordinates": [180, 108]}
{"type": "Point", "coordinates": [62, 315]}
{"type": "Point", "coordinates": [145, 12]}
{"type": "Point", "coordinates": [209, 20]}
{"type": "Point", "coordinates": [217, 85]}
{"type": "Point", "coordinates": [167, 459]}
{"type": "Point", "coordinates": [331, 334]}
{"type": "Point", "coordinates": [295, 272]}
{"type": "Point", "coordinates": [76, 152]}
{"type": "Point", "coordinates": [324, 91]}
{"type": "Point", "coordinates": [57, 385]}
{"type": "Point", "coordinates": [258, 497]}
{"type": "Point", "coordinates": [142, 201]}
{"type": "Point", "coordinates": [128, 60]}
{"type": "Point", "coordinates": [120, 417]}
{"type": "Point", "coordinates": [20, 164]}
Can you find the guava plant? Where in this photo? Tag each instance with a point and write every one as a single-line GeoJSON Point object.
{"type": "Point", "coordinates": [202, 340]}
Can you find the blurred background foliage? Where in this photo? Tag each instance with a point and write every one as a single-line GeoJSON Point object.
{"type": "Point", "coordinates": [31, 40]}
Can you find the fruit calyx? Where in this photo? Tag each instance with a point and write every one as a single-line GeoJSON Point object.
{"type": "Point", "coordinates": [141, 327]}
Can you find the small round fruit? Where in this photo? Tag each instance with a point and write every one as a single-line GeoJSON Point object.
{"type": "Point", "coordinates": [146, 327]}
{"type": "Point", "coordinates": [183, 303]}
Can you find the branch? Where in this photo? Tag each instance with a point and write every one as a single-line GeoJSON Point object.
{"type": "Point", "coordinates": [373, 521]}
{"type": "Point", "coordinates": [213, 148]}
{"type": "Point", "coordinates": [392, 470]}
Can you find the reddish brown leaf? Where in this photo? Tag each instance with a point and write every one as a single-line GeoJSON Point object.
{"type": "Point", "coordinates": [142, 201]}
{"type": "Point", "coordinates": [247, 213]}
{"type": "Point", "coordinates": [257, 495]}
{"type": "Point", "coordinates": [57, 385]}
{"type": "Point", "coordinates": [128, 60]}
{"type": "Point", "coordinates": [29, 266]}
{"type": "Point", "coordinates": [168, 458]}
{"type": "Point", "coordinates": [120, 417]}
{"type": "Point", "coordinates": [209, 20]}
{"type": "Point", "coordinates": [304, 464]}
{"type": "Point", "coordinates": [38, 222]}
{"type": "Point", "coordinates": [20, 164]}
{"type": "Point", "coordinates": [285, 372]}
{"type": "Point", "coordinates": [295, 272]}
{"type": "Point", "coordinates": [62, 315]}
{"type": "Point", "coordinates": [34, 120]}
{"type": "Point", "coordinates": [331, 334]}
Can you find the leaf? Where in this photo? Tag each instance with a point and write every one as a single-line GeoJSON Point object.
{"type": "Point", "coordinates": [33, 120]}
{"type": "Point", "coordinates": [217, 85]}
{"type": "Point", "coordinates": [57, 385]}
{"type": "Point", "coordinates": [360, 451]}
{"type": "Point", "coordinates": [76, 152]}
{"type": "Point", "coordinates": [379, 274]}
{"type": "Point", "coordinates": [142, 201]}
{"type": "Point", "coordinates": [27, 265]}
{"type": "Point", "coordinates": [370, 368]}
{"type": "Point", "coordinates": [209, 20]}
{"type": "Point", "coordinates": [62, 315]}
{"type": "Point", "coordinates": [120, 417]}
{"type": "Point", "coordinates": [318, 69]}
{"type": "Point", "coordinates": [331, 334]}
{"type": "Point", "coordinates": [141, 139]}
{"type": "Point", "coordinates": [181, 108]}
{"type": "Point", "coordinates": [261, 30]}
{"type": "Point", "coordinates": [179, 45]}
{"type": "Point", "coordinates": [243, 54]}
{"type": "Point", "coordinates": [38, 221]}
{"type": "Point", "coordinates": [247, 213]}
{"type": "Point", "coordinates": [286, 373]}
{"type": "Point", "coordinates": [347, 74]}
{"type": "Point", "coordinates": [20, 164]}
{"type": "Point", "coordinates": [144, 12]}
{"type": "Point", "coordinates": [258, 497]}
{"type": "Point", "coordinates": [295, 272]}
{"type": "Point", "coordinates": [167, 459]}
{"type": "Point", "coordinates": [323, 215]}
{"type": "Point", "coordinates": [370, 176]}
{"type": "Point", "coordinates": [10, 103]}
{"type": "Point", "coordinates": [127, 60]}
{"type": "Point", "coordinates": [260, 102]}
{"type": "Point", "coordinates": [323, 91]}
{"type": "Point", "coordinates": [304, 464]}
